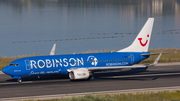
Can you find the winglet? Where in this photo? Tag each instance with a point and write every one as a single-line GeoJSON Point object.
{"type": "Point", "coordinates": [157, 59]}
{"type": "Point", "coordinates": [53, 50]}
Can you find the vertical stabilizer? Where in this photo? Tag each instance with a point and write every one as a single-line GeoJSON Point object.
{"type": "Point", "coordinates": [53, 50]}
{"type": "Point", "coordinates": [141, 43]}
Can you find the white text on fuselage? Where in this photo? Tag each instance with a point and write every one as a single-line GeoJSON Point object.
{"type": "Point", "coordinates": [48, 63]}
{"type": "Point", "coordinates": [117, 64]}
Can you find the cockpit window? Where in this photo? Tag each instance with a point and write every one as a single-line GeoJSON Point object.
{"type": "Point", "coordinates": [15, 64]}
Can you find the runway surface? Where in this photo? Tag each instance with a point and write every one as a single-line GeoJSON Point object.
{"type": "Point", "coordinates": [158, 76]}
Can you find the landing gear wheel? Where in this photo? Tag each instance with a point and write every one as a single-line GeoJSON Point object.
{"type": "Point", "coordinates": [91, 77]}
{"type": "Point", "coordinates": [20, 80]}
{"type": "Point", "coordinates": [72, 80]}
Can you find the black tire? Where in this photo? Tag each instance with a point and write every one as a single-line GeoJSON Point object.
{"type": "Point", "coordinates": [91, 77]}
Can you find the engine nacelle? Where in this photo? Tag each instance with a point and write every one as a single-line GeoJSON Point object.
{"type": "Point", "coordinates": [79, 73]}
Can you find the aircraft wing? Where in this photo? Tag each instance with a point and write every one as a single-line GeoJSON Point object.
{"type": "Point", "coordinates": [123, 67]}
{"type": "Point", "coordinates": [115, 67]}
{"type": "Point", "coordinates": [158, 53]}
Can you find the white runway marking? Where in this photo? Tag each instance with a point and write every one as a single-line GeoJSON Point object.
{"type": "Point", "coordinates": [15, 82]}
{"type": "Point", "coordinates": [59, 96]}
{"type": "Point", "coordinates": [146, 75]}
{"type": "Point", "coordinates": [160, 69]}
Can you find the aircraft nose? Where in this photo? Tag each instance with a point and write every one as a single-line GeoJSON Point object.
{"type": "Point", "coordinates": [5, 70]}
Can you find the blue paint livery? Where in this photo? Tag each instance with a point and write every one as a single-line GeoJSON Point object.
{"type": "Point", "coordinates": [25, 68]}
{"type": "Point", "coordinates": [82, 66]}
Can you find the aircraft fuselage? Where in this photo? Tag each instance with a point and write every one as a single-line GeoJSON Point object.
{"type": "Point", "coordinates": [59, 64]}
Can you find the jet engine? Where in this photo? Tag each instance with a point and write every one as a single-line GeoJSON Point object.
{"type": "Point", "coordinates": [79, 73]}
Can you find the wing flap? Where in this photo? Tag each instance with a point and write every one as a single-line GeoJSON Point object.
{"type": "Point", "coordinates": [124, 67]}
{"type": "Point", "coordinates": [115, 67]}
{"type": "Point", "coordinates": [157, 53]}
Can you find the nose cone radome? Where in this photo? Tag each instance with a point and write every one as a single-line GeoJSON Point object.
{"type": "Point", "coordinates": [6, 70]}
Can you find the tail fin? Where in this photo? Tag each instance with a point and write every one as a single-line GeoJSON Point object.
{"type": "Point", "coordinates": [141, 43]}
{"type": "Point", "coordinates": [53, 50]}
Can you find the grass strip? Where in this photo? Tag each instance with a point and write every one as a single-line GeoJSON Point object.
{"type": "Point", "coordinates": [147, 96]}
{"type": "Point", "coordinates": [173, 57]}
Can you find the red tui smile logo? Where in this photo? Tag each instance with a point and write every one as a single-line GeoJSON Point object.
{"type": "Point", "coordinates": [143, 44]}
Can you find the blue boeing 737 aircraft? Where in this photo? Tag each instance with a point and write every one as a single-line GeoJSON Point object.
{"type": "Point", "coordinates": [82, 66]}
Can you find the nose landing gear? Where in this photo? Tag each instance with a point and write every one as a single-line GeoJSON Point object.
{"type": "Point", "coordinates": [20, 80]}
{"type": "Point", "coordinates": [17, 77]}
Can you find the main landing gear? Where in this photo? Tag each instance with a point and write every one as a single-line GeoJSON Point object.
{"type": "Point", "coordinates": [91, 77]}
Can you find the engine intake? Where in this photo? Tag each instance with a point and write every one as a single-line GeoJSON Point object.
{"type": "Point", "coordinates": [79, 73]}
